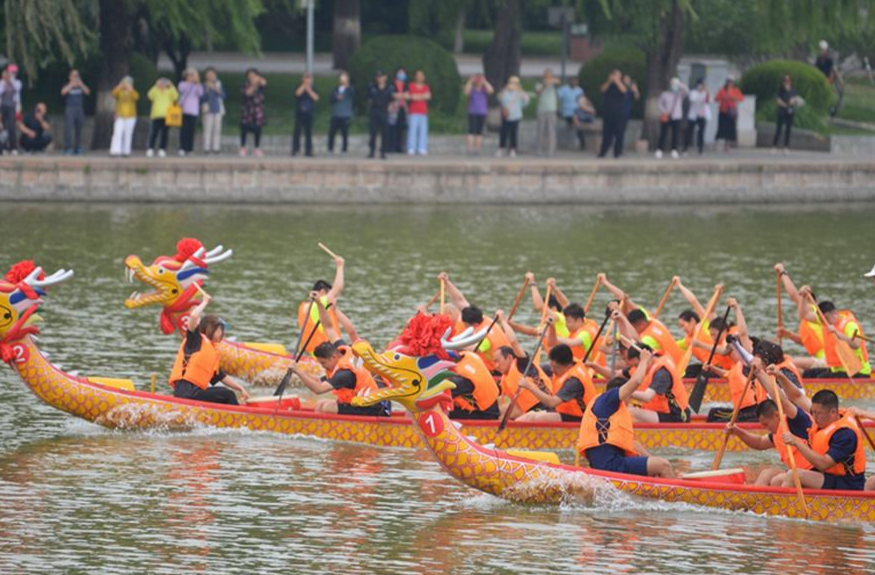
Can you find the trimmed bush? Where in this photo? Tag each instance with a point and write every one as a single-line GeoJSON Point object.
{"type": "Point", "coordinates": [764, 80]}
{"type": "Point", "coordinates": [388, 53]}
{"type": "Point", "coordinates": [144, 73]}
{"type": "Point", "coordinates": [594, 73]}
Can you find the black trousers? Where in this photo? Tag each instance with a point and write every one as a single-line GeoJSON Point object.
{"type": "Point", "coordinates": [509, 133]}
{"type": "Point", "coordinates": [213, 394]}
{"type": "Point", "coordinates": [784, 121]}
{"type": "Point", "coordinates": [666, 127]}
{"type": "Point", "coordinates": [186, 134]}
{"type": "Point", "coordinates": [692, 126]}
{"type": "Point", "coordinates": [303, 123]}
{"type": "Point", "coordinates": [7, 113]}
{"type": "Point", "coordinates": [398, 134]}
{"type": "Point", "coordinates": [250, 129]}
{"type": "Point", "coordinates": [338, 125]}
{"type": "Point", "coordinates": [158, 127]}
{"type": "Point", "coordinates": [613, 126]}
{"type": "Point", "coordinates": [378, 126]}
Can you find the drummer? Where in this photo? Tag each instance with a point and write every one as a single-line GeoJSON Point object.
{"type": "Point", "coordinates": [196, 370]}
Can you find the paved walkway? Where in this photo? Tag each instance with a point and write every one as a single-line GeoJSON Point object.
{"type": "Point", "coordinates": [292, 63]}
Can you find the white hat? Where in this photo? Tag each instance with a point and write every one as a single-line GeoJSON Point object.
{"type": "Point", "coordinates": [871, 274]}
{"type": "Point", "coordinates": [823, 44]}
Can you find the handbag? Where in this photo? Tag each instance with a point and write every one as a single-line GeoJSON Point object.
{"type": "Point", "coordinates": [173, 119]}
{"type": "Point", "coordinates": [663, 118]}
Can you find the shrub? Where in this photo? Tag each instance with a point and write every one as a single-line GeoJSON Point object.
{"type": "Point", "coordinates": [388, 53]}
{"type": "Point", "coordinates": [144, 73]}
{"type": "Point", "coordinates": [765, 79]}
{"type": "Point", "coordinates": [594, 73]}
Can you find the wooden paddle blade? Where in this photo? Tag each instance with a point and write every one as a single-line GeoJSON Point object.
{"type": "Point", "coordinates": [284, 383]}
{"type": "Point", "coordinates": [849, 359]}
{"type": "Point", "coordinates": [698, 393]}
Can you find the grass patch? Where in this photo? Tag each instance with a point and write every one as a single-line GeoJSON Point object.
{"type": "Point", "coordinates": [859, 105]}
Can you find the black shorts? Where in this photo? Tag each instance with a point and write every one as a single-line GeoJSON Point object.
{"type": "Point", "coordinates": [570, 418]}
{"type": "Point", "coordinates": [843, 482]}
{"type": "Point", "coordinates": [379, 409]}
{"type": "Point", "coordinates": [475, 124]}
{"type": "Point", "coordinates": [724, 414]}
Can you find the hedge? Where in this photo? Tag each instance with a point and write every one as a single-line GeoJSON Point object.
{"type": "Point", "coordinates": [144, 72]}
{"type": "Point", "coordinates": [594, 73]}
{"type": "Point", "coordinates": [388, 53]}
{"type": "Point", "coordinates": [765, 79]}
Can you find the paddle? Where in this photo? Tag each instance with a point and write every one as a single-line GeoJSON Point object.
{"type": "Point", "coordinates": [443, 296]}
{"type": "Point", "coordinates": [849, 360]}
{"type": "Point", "coordinates": [595, 289]}
{"type": "Point", "coordinates": [516, 304]}
{"type": "Point", "coordinates": [299, 350]}
{"type": "Point", "coordinates": [859, 335]}
{"type": "Point", "coordinates": [542, 322]}
{"type": "Point", "coordinates": [614, 347]}
{"type": "Point", "coordinates": [516, 395]}
{"type": "Point", "coordinates": [698, 393]}
{"type": "Point", "coordinates": [780, 313]}
{"type": "Point", "coordinates": [595, 339]}
{"type": "Point", "coordinates": [865, 433]}
{"type": "Point", "coordinates": [688, 354]}
{"type": "Point", "coordinates": [327, 251]}
{"type": "Point", "coordinates": [664, 299]}
{"type": "Point", "coordinates": [732, 420]}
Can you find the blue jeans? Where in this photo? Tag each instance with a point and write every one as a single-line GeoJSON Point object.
{"type": "Point", "coordinates": [417, 133]}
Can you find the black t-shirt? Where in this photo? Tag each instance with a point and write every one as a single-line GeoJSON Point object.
{"type": "Point", "coordinates": [193, 342]}
{"type": "Point", "coordinates": [306, 104]}
{"type": "Point", "coordinates": [786, 96]}
{"type": "Point", "coordinates": [824, 64]}
{"type": "Point", "coordinates": [32, 123]}
{"type": "Point", "coordinates": [380, 98]}
{"type": "Point", "coordinates": [613, 101]}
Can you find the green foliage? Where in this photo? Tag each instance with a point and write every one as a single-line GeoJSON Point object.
{"type": "Point", "coordinates": [765, 79]}
{"type": "Point", "coordinates": [144, 73]}
{"type": "Point", "coordinates": [224, 22]}
{"type": "Point", "coordinates": [594, 73]}
{"type": "Point", "coordinates": [859, 105]}
{"type": "Point", "coordinates": [392, 52]}
{"type": "Point", "coordinates": [807, 118]}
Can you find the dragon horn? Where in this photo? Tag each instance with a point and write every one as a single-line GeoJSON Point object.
{"type": "Point", "coordinates": [215, 250]}
{"type": "Point", "coordinates": [463, 340]}
{"type": "Point", "coordinates": [56, 278]}
{"type": "Point", "coordinates": [212, 259]}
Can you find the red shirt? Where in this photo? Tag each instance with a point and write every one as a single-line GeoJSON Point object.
{"type": "Point", "coordinates": [418, 106]}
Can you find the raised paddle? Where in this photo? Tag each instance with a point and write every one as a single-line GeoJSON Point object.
{"type": "Point", "coordinates": [688, 354]}
{"type": "Point", "coordinates": [595, 289]}
{"type": "Point", "coordinates": [859, 335]}
{"type": "Point", "coordinates": [281, 388]}
{"type": "Point", "coordinates": [732, 420]}
{"type": "Point", "coordinates": [849, 360]}
{"type": "Point", "coordinates": [327, 251]}
{"type": "Point", "coordinates": [433, 299]}
{"type": "Point", "coordinates": [865, 433]}
{"type": "Point", "coordinates": [516, 395]}
{"type": "Point", "coordinates": [516, 304]}
{"type": "Point", "coordinates": [664, 298]}
{"type": "Point", "coordinates": [542, 323]}
{"type": "Point", "coordinates": [698, 393]}
{"type": "Point", "coordinates": [443, 295]}
{"type": "Point", "coordinates": [615, 343]}
{"type": "Point", "coordinates": [200, 289]}
{"type": "Point", "coordinates": [780, 313]}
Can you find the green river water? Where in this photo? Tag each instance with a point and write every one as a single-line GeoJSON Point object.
{"type": "Point", "coordinates": [75, 498]}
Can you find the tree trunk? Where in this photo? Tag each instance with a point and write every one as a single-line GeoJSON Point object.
{"type": "Point", "coordinates": [459, 41]}
{"type": "Point", "coordinates": [662, 63]}
{"type": "Point", "coordinates": [347, 35]}
{"type": "Point", "coordinates": [115, 46]}
{"type": "Point", "coordinates": [178, 53]}
{"type": "Point", "coordinates": [502, 58]}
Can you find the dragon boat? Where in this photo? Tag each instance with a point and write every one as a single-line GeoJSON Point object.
{"type": "Point", "coordinates": [175, 280]}
{"type": "Point", "coordinates": [421, 384]}
{"type": "Point", "coordinates": [117, 404]}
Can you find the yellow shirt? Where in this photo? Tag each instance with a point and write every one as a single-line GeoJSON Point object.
{"type": "Point", "coordinates": [125, 102]}
{"type": "Point", "coordinates": [162, 100]}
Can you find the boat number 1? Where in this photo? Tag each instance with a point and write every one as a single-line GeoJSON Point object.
{"type": "Point", "coordinates": [431, 424]}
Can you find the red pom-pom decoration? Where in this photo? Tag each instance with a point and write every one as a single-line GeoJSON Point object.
{"type": "Point", "coordinates": [21, 270]}
{"type": "Point", "coordinates": [423, 335]}
{"type": "Point", "coordinates": [186, 247]}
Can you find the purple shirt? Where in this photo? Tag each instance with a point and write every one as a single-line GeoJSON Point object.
{"type": "Point", "coordinates": [478, 102]}
{"type": "Point", "coordinates": [190, 98]}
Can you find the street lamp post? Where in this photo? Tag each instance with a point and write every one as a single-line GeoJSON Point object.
{"type": "Point", "coordinates": [309, 5]}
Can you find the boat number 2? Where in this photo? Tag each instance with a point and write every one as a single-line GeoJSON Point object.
{"type": "Point", "coordinates": [21, 353]}
{"type": "Point", "coordinates": [431, 424]}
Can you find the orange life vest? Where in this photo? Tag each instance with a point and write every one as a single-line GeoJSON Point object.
{"type": "Point", "coordinates": [510, 382]}
{"type": "Point", "coordinates": [819, 440]}
{"type": "Point", "coordinates": [778, 441]}
{"type": "Point", "coordinates": [364, 381]}
{"type": "Point", "coordinates": [741, 392]}
{"type": "Point", "coordinates": [485, 390]}
{"type": "Point", "coordinates": [705, 338]}
{"type": "Point", "coordinates": [199, 368]}
{"type": "Point", "coordinates": [617, 430]}
{"type": "Point", "coordinates": [667, 345]}
{"type": "Point", "coordinates": [832, 357]}
{"type": "Point", "coordinates": [811, 334]}
{"type": "Point", "coordinates": [306, 325]}
{"type": "Point", "coordinates": [677, 393]}
{"type": "Point", "coordinates": [790, 366]}
{"type": "Point", "coordinates": [496, 339]}
{"type": "Point", "coordinates": [575, 407]}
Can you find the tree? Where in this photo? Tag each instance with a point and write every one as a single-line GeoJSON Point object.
{"type": "Point", "coordinates": [347, 32]}
{"type": "Point", "coordinates": [502, 58]}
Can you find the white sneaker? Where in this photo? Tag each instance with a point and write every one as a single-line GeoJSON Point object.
{"type": "Point", "coordinates": [423, 153]}
{"type": "Point", "coordinates": [150, 152]}
{"type": "Point", "coordinates": [411, 152]}
{"type": "Point", "coordinates": [162, 154]}
{"type": "Point", "coordinates": [658, 154]}
{"type": "Point", "coordinates": [513, 153]}
{"type": "Point", "coordinates": [181, 153]}
{"type": "Point", "coordinates": [674, 154]}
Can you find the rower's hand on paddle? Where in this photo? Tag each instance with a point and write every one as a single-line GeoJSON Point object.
{"type": "Point", "coordinates": [499, 313]}
{"type": "Point", "coordinates": [732, 302]}
{"type": "Point", "coordinates": [601, 277]}
{"type": "Point", "coordinates": [805, 291]}
{"type": "Point", "coordinates": [339, 261]}
{"type": "Point", "coordinates": [421, 309]}
{"type": "Point", "coordinates": [644, 357]}
{"type": "Point", "coordinates": [527, 383]}
{"type": "Point", "coordinates": [832, 329]}
{"type": "Point", "coordinates": [551, 283]}
{"type": "Point", "coordinates": [530, 278]}
{"type": "Point", "coordinates": [757, 364]}
{"type": "Point", "coordinates": [244, 395]}
{"type": "Point", "coordinates": [676, 280]}
{"type": "Point", "coordinates": [784, 332]}
{"type": "Point", "coordinates": [731, 428]}
{"type": "Point", "coordinates": [549, 320]}
{"type": "Point", "coordinates": [790, 439]}
{"type": "Point", "coordinates": [443, 277]}
{"type": "Point", "coordinates": [614, 307]}
{"type": "Point", "coordinates": [779, 268]}
{"type": "Point", "coordinates": [615, 313]}
{"type": "Point", "coordinates": [772, 370]}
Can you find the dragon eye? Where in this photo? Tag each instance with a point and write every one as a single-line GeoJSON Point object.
{"type": "Point", "coordinates": [7, 315]}
{"type": "Point", "coordinates": [174, 290]}
{"type": "Point", "coordinates": [160, 271]}
{"type": "Point", "coordinates": [397, 357]}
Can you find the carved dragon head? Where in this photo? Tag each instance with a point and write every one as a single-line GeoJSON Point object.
{"type": "Point", "coordinates": [174, 280]}
{"type": "Point", "coordinates": [21, 290]}
{"type": "Point", "coordinates": [418, 369]}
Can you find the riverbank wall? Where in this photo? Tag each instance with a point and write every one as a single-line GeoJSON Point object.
{"type": "Point", "coordinates": [567, 179]}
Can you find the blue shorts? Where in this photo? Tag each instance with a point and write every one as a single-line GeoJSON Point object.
{"type": "Point", "coordinates": [609, 458]}
{"type": "Point", "coordinates": [844, 482]}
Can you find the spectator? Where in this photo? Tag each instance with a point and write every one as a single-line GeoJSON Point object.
{"type": "Point", "coordinates": [162, 95]}
{"type": "Point", "coordinates": [631, 96]}
{"type": "Point", "coordinates": [512, 99]}
{"type": "Point", "coordinates": [190, 93]}
{"type": "Point", "coordinates": [252, 113]}
{"type": "Point", "coordinates": [125, 117]}
{"type": "Point", "coordinates": [213, 110]}
{"type": "Point", "coordinates": [341, 112]}
{"type": "Point", "coordinates": [418, 95]}
{"type": "Point", "coordinates": [74, 93]}
{"type": "Point", "coordinates": [671, 112]}
{"type": "Point", "coordinates": [36, 133]}
{"type": "Point", "coordinates": [398, 113]}
{"type": "Point", "coordinates": [10, 105]}
{"type": "Point", "coordinates": [569, 99]}
{"type": "Point", "coordinates": [478, 89]}
{"type": "Point", "coordinates": [787, 100]}
{"type": "Point", "coordinates": [381, 95]}
{"type": "Point", "coordinates": [613, 124]}
{"type": "Point", "coordinates": [698, 116]}
{"type": "Point", "coordinates": [547, 107]}
{"type": "Point", "coordinates": [825, 63]}
{"type": "Point", "coordinates": [584, 114]}
{"type": "Point", "coordinates": [305, 108]}
{"type": "Point", "coordinates": [727, 99]}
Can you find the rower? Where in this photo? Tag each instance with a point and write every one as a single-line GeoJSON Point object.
{"type": "Point", "coordinates": [607, 437]}
{"type": "Point", "coordinates": [837, 451]}
{"type": "Point", "coordinates": [810, 335]}
{"type": "Point", "coordinates": [196, 370]}
{"type": "Point", "coordinates": [662, 389]}
{"type": "Point", "coordinates": [345, 377]}
{"type": "Point", "coordinates": [843, 325]}
{"type": "Point", "coordinates": [688, 321]}
{"type": "Point", "coordinates": [860, 414]}
{"type": "Point", "coordinates": [476, 393]}
{"type": "Point", "coordinates": [328, 294]}
{"type": "Point", "coordinates": [574, 386]}
{"type": "Point", "coordinates": [511, 361]}
{"type": "Point", "coordinates": [798, 422]}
